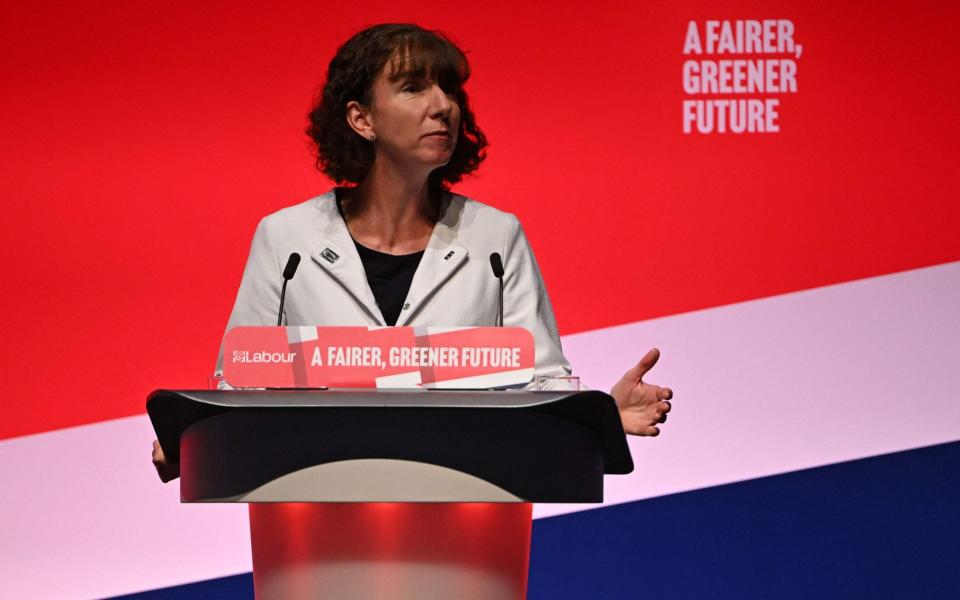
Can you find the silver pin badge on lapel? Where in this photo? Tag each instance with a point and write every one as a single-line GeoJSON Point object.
{"type": "Point", "coordinates": [329, 255]}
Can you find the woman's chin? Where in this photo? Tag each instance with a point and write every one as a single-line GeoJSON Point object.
{"type": "Point", "coordinates": [438, 160]}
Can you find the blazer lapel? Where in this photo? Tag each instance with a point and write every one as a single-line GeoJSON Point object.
{"type": "Point", "coordinates": [337, 255]}
{"type": "Point", "coordinates": [441, 259]}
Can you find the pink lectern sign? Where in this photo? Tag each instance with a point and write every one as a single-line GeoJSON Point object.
{"type": "Point", "coordinates": [378, 357]}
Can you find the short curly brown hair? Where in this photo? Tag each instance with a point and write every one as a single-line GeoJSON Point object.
{"type": "Point", "coordinates": [413, 51]}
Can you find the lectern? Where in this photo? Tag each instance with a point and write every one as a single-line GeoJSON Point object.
{"type": "Point", "coordinates": [390, 493]}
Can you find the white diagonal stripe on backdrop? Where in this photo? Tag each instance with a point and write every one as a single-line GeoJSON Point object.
{"type": "Point", "coordinates": [762, 387]}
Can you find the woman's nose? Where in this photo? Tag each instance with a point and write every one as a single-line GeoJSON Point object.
{"type": "Point", "coordinates": [440, 102]}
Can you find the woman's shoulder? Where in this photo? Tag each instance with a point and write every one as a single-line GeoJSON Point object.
{"type": "Point", "coordinates": [308, 212]}
{"type": "Point", "coordinates": [474, 213]}
{"type": "Point", "coordinates": [304, 223]}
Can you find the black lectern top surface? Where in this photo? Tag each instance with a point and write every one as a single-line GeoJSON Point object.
{"type": "Point", "coordinates": [353, 397]}
{"type": "Point", "coordinates": [172, 412]}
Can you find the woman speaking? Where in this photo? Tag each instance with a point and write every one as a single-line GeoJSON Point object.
{"type": "Point", "coordinates": [393, 245]}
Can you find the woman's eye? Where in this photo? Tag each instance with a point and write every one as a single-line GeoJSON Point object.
{"type": "Point", "coordinates": [411, 88]}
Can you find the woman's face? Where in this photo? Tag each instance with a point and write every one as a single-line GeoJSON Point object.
{"type": "Point", "coordinates": [413, 120]}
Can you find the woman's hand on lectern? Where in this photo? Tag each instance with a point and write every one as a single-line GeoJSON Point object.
{"type": "Point", "coordinates": [168, 470]}
{"type": "Point", "coordinates": [642, 405]}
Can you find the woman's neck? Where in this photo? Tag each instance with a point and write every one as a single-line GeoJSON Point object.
{"type": "Point", "coordinates": [391, 213]}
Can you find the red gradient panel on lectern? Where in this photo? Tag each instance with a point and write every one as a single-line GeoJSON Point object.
{"type": "Point", "coordinates": [320, 545]}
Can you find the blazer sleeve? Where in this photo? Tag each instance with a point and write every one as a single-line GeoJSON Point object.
{"type": "Point", "coordinates": [526, 303]}
{"type": "Point", "coordinates": [258, 298]}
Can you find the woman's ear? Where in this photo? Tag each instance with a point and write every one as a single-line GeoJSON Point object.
{"type": "Point", "coordinates": [359, 119]}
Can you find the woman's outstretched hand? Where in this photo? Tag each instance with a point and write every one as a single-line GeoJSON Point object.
{"type": "Point", "coordinates": [642, 405]}
{"type": "Point", "coordinates": [166, 469]}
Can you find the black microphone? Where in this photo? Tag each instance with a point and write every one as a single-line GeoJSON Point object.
{"type": "Point", "coordinates": [496, 263]}
{"type": "Point", "coordinates": [288, 272]}
{"type": "Point", "coordinates": [291, 269]}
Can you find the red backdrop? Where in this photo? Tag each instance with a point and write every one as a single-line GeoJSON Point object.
{"type": "Point", "coordinates": [143, 142]}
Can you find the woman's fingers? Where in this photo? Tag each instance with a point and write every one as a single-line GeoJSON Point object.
{"type": "Point", "coordinates": [646, 363]}
{"type": "Point", "coordinates": [165, 469]}
{"type": "Point", "coordinates": [647, 406]}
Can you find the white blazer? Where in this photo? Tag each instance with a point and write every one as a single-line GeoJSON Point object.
{"type": "Point", "coordinates": [453, 286]}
